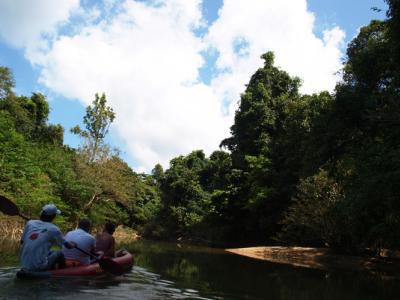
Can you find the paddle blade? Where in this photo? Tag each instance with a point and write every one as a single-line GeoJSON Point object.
{"type": "Point", "coordinates": [8, 207]}
{"type": "Point", "coordinates": [110, 266]}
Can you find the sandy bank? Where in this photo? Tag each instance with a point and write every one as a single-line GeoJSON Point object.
{"type": "Point", "coordinates": [320, 258]}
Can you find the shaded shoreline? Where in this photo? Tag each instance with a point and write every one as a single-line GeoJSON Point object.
{"type": "Point", "coordinates": [322, 258]}
{"type": "Point", "coordinates": [11, 229]}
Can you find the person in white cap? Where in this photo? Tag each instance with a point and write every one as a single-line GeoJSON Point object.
{"type": "Point", "coordinates": [37, 239]}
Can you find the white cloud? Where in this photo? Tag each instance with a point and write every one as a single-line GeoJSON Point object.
{"type": "Point", "coordinates": [146, 58]}
{"type": "Point", "coordinates": [23, 23]}
{"type": "Point", "coordinates": [285, 27]}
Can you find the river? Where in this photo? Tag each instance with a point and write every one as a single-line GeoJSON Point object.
{"type": "Point", "coordinates": [171, 271]}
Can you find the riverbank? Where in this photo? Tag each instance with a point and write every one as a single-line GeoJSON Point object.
{"type": "Point", "coordinates": [11, 229]}
{"type": "Point", "coordinates": [125, 235]}
{"type": "Point", "coordinates": [322, 258]}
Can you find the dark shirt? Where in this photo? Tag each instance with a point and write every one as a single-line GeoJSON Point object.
{"type": "Point", "coordinates": [105, 242]}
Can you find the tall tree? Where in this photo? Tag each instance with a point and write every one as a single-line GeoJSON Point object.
{"type": "Point", "coordinates": [6, 82]}
{"type": "Point", "coordinates": [97, 163]}
{"type": "Point", "coordinates": [97, 121]}
{"type": "Point", "coordinates": [264, 176]}
{"type": "Point", "coordinates": [258, 118]}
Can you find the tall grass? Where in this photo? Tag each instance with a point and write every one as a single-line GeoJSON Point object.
{"type": "Point", "coordinates": [11, 228]}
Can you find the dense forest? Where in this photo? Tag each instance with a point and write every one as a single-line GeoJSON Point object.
{"type": "Point", "coordinates": [319, 170]}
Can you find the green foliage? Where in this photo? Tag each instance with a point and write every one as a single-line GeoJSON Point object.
{"type": "Point", "coordinates": [147, 202]}
{"type": "Point", "coordinates": [261, 110]}
{"type": "Point", "coordinates": [260, 145]}
{"type": "Point", "coordinates": [317, 169]}
{"type": "Point", "coordinates": [97, 120]}
{"type": "Point", "coordinates": [184, 199]}
{"type": "Point", "coordinates": [21, 173]}
{"type": "Point", "coordinates": [359, 147]}
{"type": "Point", "coordinates": [101, 173]}
{"type": "Point", "coordinates": [184, 203]}
{"type": "Point", "coordinates": [36, 168]}
{"type": "Point", "coordinates": [394, 34]}
{"type": "Point", "coordinates": [29, 116]}
{"type": "Point", "coordinates": [313, 216]}
{"type": "Point", "coordinates": [6, 82]}
{"type": "Point", "coordinates": [39, 108]}
{"type": "Point", "coordinates": [158, 174]}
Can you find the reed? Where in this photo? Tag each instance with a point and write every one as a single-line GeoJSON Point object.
{"type": "Point", "coordinates": [125, 235]}
{"type": "Point", "coordinates": [11, 228]}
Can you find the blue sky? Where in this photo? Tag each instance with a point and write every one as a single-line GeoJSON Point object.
{"type": "Point", "coordinates": [172, 70]}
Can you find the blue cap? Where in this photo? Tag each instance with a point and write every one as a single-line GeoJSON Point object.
{"type": "Point", "coordinates": [50, 209]}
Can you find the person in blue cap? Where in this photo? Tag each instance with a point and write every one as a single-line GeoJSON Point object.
{"type": "Point", "coordinates": [37, 239]}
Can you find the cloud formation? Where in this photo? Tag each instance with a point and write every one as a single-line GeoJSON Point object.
{"type": "Point", "coordinates": [30, 24]}
{"type": "Point", "coordinates": [243, 32]}
{"type": "Point", "coordinates": [146, 57]}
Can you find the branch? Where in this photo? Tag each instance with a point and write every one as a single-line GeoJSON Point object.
{"type": "Point", "coordinates": [90, 203]}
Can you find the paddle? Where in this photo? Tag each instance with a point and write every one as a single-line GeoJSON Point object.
{"type": "Point", "coordinates": [9, 208]}
{"type": "Point", "coordinates": [105, 263]}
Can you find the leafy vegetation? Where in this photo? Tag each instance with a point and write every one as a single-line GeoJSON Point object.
{"type": "Point", "coordinates": [320, 169]}
{"type": "Point", "coordinates": [315, 169]}
{"type": "Point", "coordinates": [36, 168]}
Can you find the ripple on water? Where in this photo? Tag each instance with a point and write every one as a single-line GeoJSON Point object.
{"type": "Point", "coordinates": [138, 284]}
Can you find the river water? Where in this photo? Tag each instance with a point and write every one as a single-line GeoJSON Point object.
{"type": "Point", "coordinates": [171, 271]}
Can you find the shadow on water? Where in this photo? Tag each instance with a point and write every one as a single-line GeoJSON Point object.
{"type": "Point", "coordinates": [169, 271]}
{"type": "Point", "coordinates": [219, 274]}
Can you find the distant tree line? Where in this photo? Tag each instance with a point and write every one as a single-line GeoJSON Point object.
{"type": "Point", "coordinates": [319, 170]}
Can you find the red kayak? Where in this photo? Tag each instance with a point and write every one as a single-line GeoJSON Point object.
{"type": "Point", "coordinates": [125, 261]}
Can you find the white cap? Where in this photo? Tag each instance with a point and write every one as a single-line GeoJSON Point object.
{"type": "Point", "coordinates": [50, 209]}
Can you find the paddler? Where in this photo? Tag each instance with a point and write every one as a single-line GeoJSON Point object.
{"type": "Point", "coordinates": [105, 242]}
{"type": "Point", "coordinates": [84, 240]}
{"type": "Point", "coordinates": [37, 239]}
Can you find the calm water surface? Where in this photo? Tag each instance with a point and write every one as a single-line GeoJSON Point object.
{"type": "Point", "coordinates": [170, 271]}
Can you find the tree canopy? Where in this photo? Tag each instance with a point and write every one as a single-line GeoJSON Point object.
{"type": "Point", "coordinates": [297, 169]}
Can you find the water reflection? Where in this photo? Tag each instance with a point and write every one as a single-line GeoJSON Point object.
{"type": "Point", "coordinates": [218, 274]}
{"type": "Point", "coordinates": [139, 284]}
{"type": "Point", "coordinates": [168, 271]}
{"type": "Point", "coordinates": [9, 250]}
